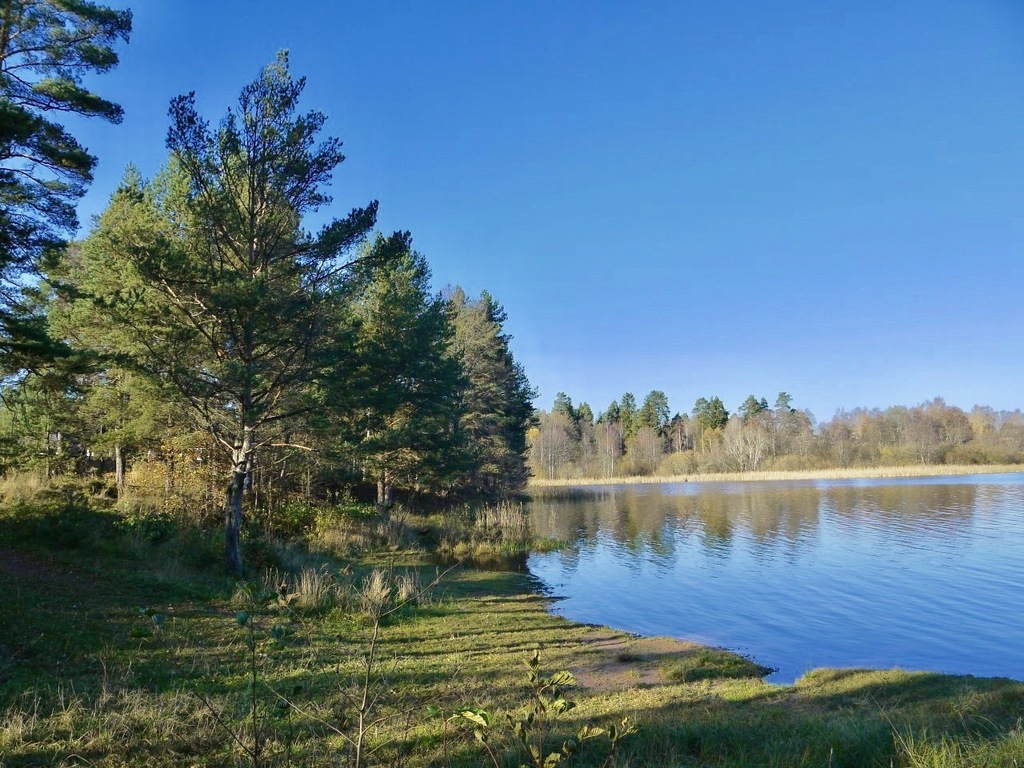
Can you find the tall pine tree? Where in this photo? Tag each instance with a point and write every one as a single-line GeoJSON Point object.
{"type": "Point", "coordinates": [46, 48]}
{"type": "Point", "coordinates": [235, 295]}
{"type": "Point", "coordinates": [394, 400]}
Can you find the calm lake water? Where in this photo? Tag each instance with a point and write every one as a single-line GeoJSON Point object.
{"type": "Point", "coordinates": [921, 574]}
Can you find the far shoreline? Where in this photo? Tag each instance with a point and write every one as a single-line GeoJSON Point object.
{"type": "Point", "coordinates": [836, 473]}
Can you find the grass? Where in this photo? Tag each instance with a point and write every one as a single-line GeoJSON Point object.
{"type": "Point", "coordinates": [837, 473]}
{"type": "Point", "coordinates": [714, 664]}
{"type": "Point", "coordinates": [87, 678]}
{"type": "Point", "coordinates": [490, 535]}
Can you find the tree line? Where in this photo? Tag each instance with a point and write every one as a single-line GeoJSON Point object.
{"type": "Point", "coordinates": [627, 439]}
{"type": "Point", "coordinates": [201, 346]}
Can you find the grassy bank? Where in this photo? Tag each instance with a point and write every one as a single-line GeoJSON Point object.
{"type": "Point", "coordinates": [838, 473]}
{"type": "Point", "coordinates": [116, 651]}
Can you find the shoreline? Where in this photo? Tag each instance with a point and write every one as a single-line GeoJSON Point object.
{"type": "Point", "coordinates": [147, 701]}
{"type": "Point", "coordinates": [837, 473]}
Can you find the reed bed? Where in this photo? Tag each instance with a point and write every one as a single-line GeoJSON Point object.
{"type": "Point", "coordinates": [505, 520]}
{"type": "Point", "coordinates": [486, 534]}
{"type": "Point", "coordinates": [838, 473]}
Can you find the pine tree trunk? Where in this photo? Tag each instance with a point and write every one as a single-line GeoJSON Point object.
{"type": "Point", "coordinates": [385, 492]}
{"type": "Point", "coordinates": [169, 480]}
{"type": "Point", "coordinates": [58, 454]}
{"type": "Point", "coordinates": [241, 458]}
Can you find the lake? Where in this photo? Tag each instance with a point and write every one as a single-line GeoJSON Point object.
{"type": "Point", "coordinates": [920, 573]}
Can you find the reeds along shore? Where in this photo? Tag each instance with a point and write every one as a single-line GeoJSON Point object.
{"type": "Point", "coordinates": [838, 473]}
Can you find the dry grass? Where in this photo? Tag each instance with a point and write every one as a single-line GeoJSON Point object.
{"type": "Point", "coordinates": [838, 473]}
{"type": "Point", "coordinates": [76, 728]}
{"type": "Point", "coordinates": [342, 538]}
{"type": "Point", "coordinates": [408, 588]}
{"type": "Point", "coordinates": [316, 590]}
{"type": "Point", "coordinates": [486, 534]}
{"type": "Point", "coordinates": [22, 486]}
{"type": "Point", "coordinates": [375, 593]}
{"type": "Point", "coordinates": [307, 590]}
{"type": "Point", "coordinates": [505, 520]}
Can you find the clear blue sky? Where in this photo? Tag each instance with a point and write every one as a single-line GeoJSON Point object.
{"type": "Point", "coordinates": [712, 197]}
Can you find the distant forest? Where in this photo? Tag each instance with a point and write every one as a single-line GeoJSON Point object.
{"type": "Point", "coordinates": [631, 439]}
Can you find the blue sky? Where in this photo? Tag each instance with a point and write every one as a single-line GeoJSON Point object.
{"type": "Point", "coordinates": [711, 197]}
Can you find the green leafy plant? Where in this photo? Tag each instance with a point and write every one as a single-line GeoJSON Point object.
{"type": "Point", "coordinates": [150, 623]}
{"type": "Point", "coordinates": [530, 732]}
{"type": "Point", "coordinates": [265, 707]}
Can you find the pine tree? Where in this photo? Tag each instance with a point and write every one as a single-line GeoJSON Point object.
{"type": "Point", "coordinates": [654, 413]}
{"type": "Point", "coordinates": [710, 416]}
{"type": "Point", "coordinates": [46, 48]}
{"type": "Point", "coordinates": [628, 415]}
{"type": "Point", "coordinates": [233, 296]}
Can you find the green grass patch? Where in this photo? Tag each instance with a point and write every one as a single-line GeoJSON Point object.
{"type": "Point", "coordinates": [714, 664]}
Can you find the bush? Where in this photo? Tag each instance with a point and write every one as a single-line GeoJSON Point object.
{"type": "Point", "coordinates": [792, 462]}
{"type": "Point", "coordinates": [675, 464]}
{"type": "Point", "coordinates": [979, 453]}
{"type": "Point", "coordinates": [714, 664]}
{"type": "Point", "coordinates": [344, 529]}
{"type": "Point", "coordinates": [22, 487]}
{"type": "Point", "coordinates": [289, 518]}
{"type": "Point", "coordinates": [152, 526]}
{"type": "Point", "coordinates": [495, 534]}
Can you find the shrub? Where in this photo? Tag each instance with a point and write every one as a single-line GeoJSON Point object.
{"type": "Point", "coordinates": [343, 530]}
{"type": "Point", "coordinates": [151, 526]}
{"type": "Point", "coordinates": [675, 464]}
{"type": "Point", "coordinates": [289, 518]}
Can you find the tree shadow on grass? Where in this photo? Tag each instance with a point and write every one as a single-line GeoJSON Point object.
{"type": "Point", "coordinates": [832, 717]}
{"type": "Point", "coordinates": [73, 589]}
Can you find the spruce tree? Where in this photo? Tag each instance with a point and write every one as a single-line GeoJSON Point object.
{"type": "Point", "coordinates": [497, 402]}
{"type": "Point", "coordinates": [391, 394]}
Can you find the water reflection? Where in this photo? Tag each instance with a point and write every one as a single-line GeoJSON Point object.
{"type": "Point", "coordinates": [869, 573]}
{"type": "Point", "coordinates": [647, 516]}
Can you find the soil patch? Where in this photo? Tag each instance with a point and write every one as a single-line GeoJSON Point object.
{"type": "Point", "coordinates": [23, 565]}
{"type": "Point", "coordinates": [619, 661]}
